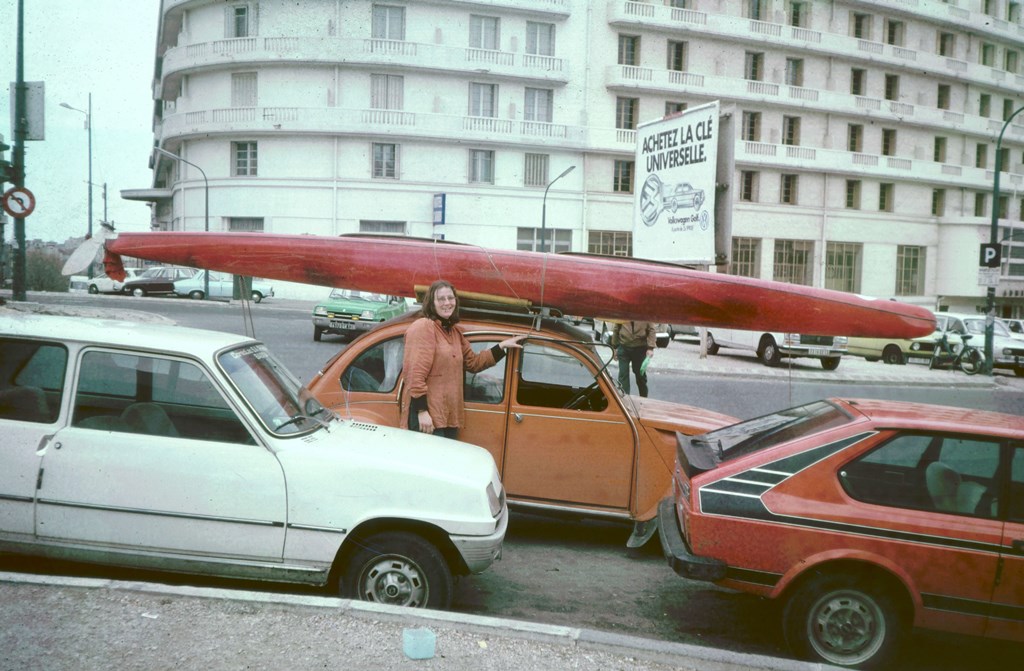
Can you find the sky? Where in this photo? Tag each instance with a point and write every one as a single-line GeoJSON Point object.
{"type": "Point", "coordinates": [77, 47]}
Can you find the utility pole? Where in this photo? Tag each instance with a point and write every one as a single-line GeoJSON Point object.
{"type": "Point", "coordinates": [18, 159]}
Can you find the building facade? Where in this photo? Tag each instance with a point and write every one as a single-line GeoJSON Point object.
{"type": "Point", "coordinates": [867, 132]}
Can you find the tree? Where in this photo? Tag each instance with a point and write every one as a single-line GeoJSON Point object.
{"type": "Point", "coordinates": [43, 271]}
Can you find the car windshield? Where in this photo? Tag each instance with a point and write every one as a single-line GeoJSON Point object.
{"type": "Point", "coordinates": [354, 295]}
{"type": "Point", "coordinates": [282, 403]}
{"type": "Point", "coordinates": [977, 327]}
{"type": "Point", "coordinates": [151, 272]}
{"type": "Point", "coordinates": [760, 433]}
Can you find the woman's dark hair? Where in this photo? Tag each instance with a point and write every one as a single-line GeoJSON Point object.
{"type": "Point", "coordinates": [428, 309]}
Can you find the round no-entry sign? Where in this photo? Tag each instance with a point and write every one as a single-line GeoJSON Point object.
{"type": "Point", "coordinates": [18, 202]}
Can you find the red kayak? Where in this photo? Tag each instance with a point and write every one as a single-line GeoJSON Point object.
{"type": "Point", "coordinates": [573, 284]}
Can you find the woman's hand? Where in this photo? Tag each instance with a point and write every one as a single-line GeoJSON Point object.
{"type": "Point", "coordinates": [426, 422]}
{"type": "Point", "coordinates": [511, 343]}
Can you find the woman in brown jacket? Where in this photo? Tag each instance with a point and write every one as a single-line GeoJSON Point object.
{"type": "Point", "coordinates": [436, 354]}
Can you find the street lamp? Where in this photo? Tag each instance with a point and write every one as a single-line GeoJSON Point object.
{"type": "Point", "coordinates": [544, 208]}
{"type": "Point", "coordinates": [990, 306]}
{"type": "Point", "coordinates": [88, 128]}
{"type": "Point", "coordinates": [206, 210]}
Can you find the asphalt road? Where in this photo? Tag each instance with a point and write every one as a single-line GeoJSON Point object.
{"type": "Point", "coordinates": [578, 572]}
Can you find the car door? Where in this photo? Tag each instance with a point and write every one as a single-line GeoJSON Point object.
{"type": "Point", "coordinates": [580, 455]}
{"type": "Point", "coordinates": [127, 477]}
{"type": "Point", "coordinates": [485, 395]}
{"type": "Point", "coordinates": [1006, 616]}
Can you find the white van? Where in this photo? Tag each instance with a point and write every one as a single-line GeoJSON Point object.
{"type": "Point", "coordinates": [771, 348]}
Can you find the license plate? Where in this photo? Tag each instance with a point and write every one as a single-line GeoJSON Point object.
{"type": "Point", "coordinates": [817, 351]}
{"type": "Point", "coordinates": [918, 359]}
{"type": "Point", "coordinates": [342, 325]}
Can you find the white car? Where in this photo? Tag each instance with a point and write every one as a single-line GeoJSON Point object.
{"type": "Point", "coordinates": [198, 452]}
{"type": "Point", "coordinates": [222, 286]}
{"type": "Point", "coordinates": [771, 348]}
{"type": "Point", "coordinates": [1007, 351]}
{"type": "Point", "coordinates": [106, 285]}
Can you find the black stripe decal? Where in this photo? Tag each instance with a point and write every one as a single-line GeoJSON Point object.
{"type": "Point", "coordinates": [999, 611]}
{"type": "Point", "coordinates": [18, 499]}
{"type": "Point", "coordinates": [161, 513]}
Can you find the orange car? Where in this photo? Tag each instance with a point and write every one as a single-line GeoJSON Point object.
{"type": "Point", "coordinates": [864, 517]}
{"type": "Point", "coordinates": [562, 434]}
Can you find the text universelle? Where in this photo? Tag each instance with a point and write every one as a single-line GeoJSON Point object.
{"type": "Point", "coordinates": [676, 147]}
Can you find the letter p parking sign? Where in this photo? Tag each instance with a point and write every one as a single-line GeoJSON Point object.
{"type": "Point", "coordinates": [990, 256]}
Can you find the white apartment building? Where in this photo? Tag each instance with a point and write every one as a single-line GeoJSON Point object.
{"type": "Point", "coordinates": [865, 148]}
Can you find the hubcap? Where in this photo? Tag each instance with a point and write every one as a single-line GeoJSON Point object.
{"type": "Point", "coordinates": [846, 628]}
{"type": "Point", "coordinates": [394, 580]}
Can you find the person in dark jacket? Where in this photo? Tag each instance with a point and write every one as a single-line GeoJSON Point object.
{"type": "Point", "coordinates": [633, 342]}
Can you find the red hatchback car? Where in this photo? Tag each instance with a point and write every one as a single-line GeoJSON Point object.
{"type": "Point", "coordinates": [865, 517]}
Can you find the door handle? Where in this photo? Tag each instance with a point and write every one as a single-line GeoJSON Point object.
{"type": "Point", "coordinates": [517, 416]}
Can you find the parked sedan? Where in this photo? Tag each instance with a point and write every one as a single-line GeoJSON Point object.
{"type": "Point", "coordinates": [1007, 351]}
{"type": "Point", "coordinates": [349, 312]}
{"type": "Point", "coordinates": [156, 280]}
{"type": "Point", "coordinates": [864, 517]}
{"type": "Point", "coordinates": [107, 285]}
{"type": "Point", "coordinates": [222, 286]}
{"type": "Point", "coordinates": [197, 452]}
{"type": "Point", "coordinates": [901, 350]}
{"type": "Point", "coordinates": [564, 436]}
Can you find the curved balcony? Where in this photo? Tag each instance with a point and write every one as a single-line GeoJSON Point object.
{"type": "Point", "coordinates": [736, 28]}
{"type": "Point", "coordinates": [949, 14]}
{"type": "Point", "coordinates": [377, 122]}
{"type": "Point", "coordinates": [252, 51]}
{"type": "Point", "coordinates": [629, 78]}
{"type": "Point", "coordinates": [550, 8]}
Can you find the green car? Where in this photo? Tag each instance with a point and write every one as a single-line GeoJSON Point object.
{"type": "Point", "coordinates": [348, 312]}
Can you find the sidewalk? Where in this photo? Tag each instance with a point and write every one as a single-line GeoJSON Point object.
{"type": "Point", "coordinates": [57, 623]}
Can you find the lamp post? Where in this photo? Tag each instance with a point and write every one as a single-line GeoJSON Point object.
{"type": "Point", "coordinates": [206, 209]}
{"type": "Point", "coordinates": [544, 208]}
{"type": "Point", "coordinates": [990, 304]}
{"type": "Point", "coordinates": [88, 129]}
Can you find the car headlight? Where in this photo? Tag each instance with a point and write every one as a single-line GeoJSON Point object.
{"type": "Point", "coordinates": [840, 340]}
{"type": "Point", "coordinates": [367, 314]}
{"type": "Point", "coordinates": [320, 311]}
{"type": "Point", "coordinates": [496, 499]}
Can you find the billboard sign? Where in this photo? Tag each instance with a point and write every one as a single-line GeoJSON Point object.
{"type": "Point", "coordinates": [674, 206]}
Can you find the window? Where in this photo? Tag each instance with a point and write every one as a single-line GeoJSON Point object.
{"type": "Point", "coordinates": [938, 202]}
{"type": "Point", "coordinates": [894, 31]}
{"type": "Point", "coordinates": [858, 81]}
{"type": "Point", "coordinates": [1010, 61]}
{"type": "Point", "coordinates": [245, 163]}
{"type": "Point", "coordinates": [885, 197]}
{"type": "Point", "coordinates": [486, 386]}
{"type": "Point", "coordinates": [387, 22]}
{"type": "Point", "coordinates": [1003, 157]}
{"type": "Point", "coordinates": [798, 13]}
{"type": "Point", "coordinates": [939, 155]}
{"type": "Point", "coordinates": [980, 204]}
{"type": "Point", "coordinates": [753, 68]}
{"type": "Point", "coordinates": [36, 388]}
{"type": "Point", "coordinates": [677, 56]}
{"type": "Point", "coordinates": [789, 184]}
{"type": "Point", "coordinates": [946, 474]}
{"type": "Point", "coordinates": [748, 186]}
{"type": "Point", "coordinates": [988, 54]}
{"type": "Point", "coordinates": [239, 21]}
{"type": "Point", "coordinates": [860, 26]}
{"type": "Point", "coordinates": [245, 224]}
{"type": "Point", "coordinates": [910, 268]}
{"type": "Point", "coordinates": [625, 112]}
{"type": "Point", "coordinates": [483, 32]}
{"type": "Point", "coordinates": [842, 266]}
{"type": "Point", "coordinates": [483, 100]}
{"type": "Point", "coordinates": [538, 105]}
{"type": "Point", "coordinates": [892, 87]}
{"type": "Point", "coordinates": [888, 142]}
{"type": "Point", "coordinates": [382, 227]}
{"type": "Point", "coordinates": [243, 89]}
{"type": "Point", "coordinates": [376, 369]}
{"type": "Point", "coordinates": [673, 107]}
{"type": "Point", "coordinates": [481, 166]}
{"type": "Point", "coordinates": [792, 261]}
{"type": "Point", "coordinates": [947, 44]}
{"type": "Point", "coordinates": [1007, 108]}
{"type": "Point", "coordinates": [791, 130]}
{"type": "Point", "coordinates": [942, 97]}
{"type": "Point", "coordinates": [1004, 207]}
{"type": "Point", "coordinates": [755, 9]}
{"type": "Point", "coordinates": [385, 160]}
{"type": "Point", "coordinates": [855, 138]}
{"type": "Point", "coordinates": [611, 243]}
{"type": "Point", "coordinates": [984, 105]}
{"type": "Point", "coordinates": [622, 180]}
{"type": "Point", "coordinates": [556, 240]}
{"type": "Point", "coordinates": [794, 72]}
{"type": "Point", "coordinates": [981, 155]}
{"type": "Point", "coordinates": [550, 377]}
{"type": "Point", "coordinates": [387, 92]}
{"type": "Point", "coordinates": [535, 170]}
{"type": "Point", "coordinates": [853, 194]}
{"type": "Point", "coordinates": [751, 126]}
{"type": "Point", "coordinates": [629, 50]}
{"type": "Point", "coordinates": [746, 257]}
{"type": "Point", "coordinates": [540, 38]}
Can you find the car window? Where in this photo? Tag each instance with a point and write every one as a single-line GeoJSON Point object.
{"type": "Point", "coordinates": [31, 380]}
{"type": "Point", "coordinates": [376, 369]}
{"type": "Point", "coordinates": [550, 377]}
{"type": "Point", "coordinates": [487, 386]}
{"type": "Point", "coordinates": [152, 395]}
{"type": "Point", "coordinates": [948, 474]}
{"type": "Point", "coordinates": [1015, 509]}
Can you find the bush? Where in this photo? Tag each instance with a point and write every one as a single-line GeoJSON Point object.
{"type": "Point", "coordinates": [43, 271]}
